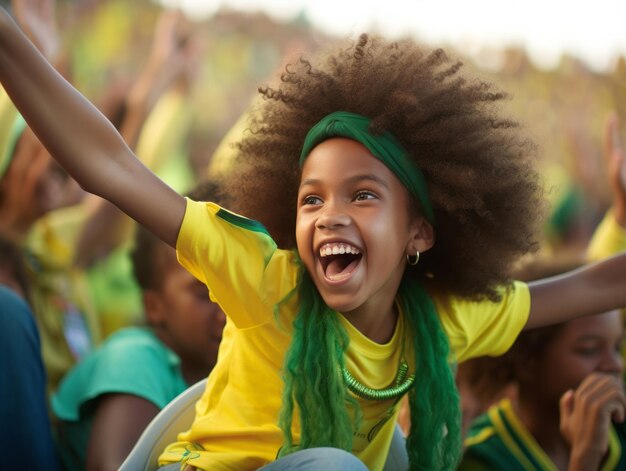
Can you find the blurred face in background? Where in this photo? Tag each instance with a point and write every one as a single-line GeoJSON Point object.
{"type": "Point", "coordinates": [583, 346]}
{"type": "Point", "coordinates": [184, 317]}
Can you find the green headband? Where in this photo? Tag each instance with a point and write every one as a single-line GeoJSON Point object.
{"type": "Point", "coordinates": [8, 148]}
{"type": "Point", "coordinates": [385, 147]}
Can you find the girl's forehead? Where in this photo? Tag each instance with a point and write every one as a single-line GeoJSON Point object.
{"type": "Point", "coordinates": [340, 154]}
{"type": "Point", "coordinates": [607, 325]}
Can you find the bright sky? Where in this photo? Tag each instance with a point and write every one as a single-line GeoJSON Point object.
{"type": "Point", "coordinates": [593, 30]}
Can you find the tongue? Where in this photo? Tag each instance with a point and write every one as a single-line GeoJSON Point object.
{"type": "Point", "coordinates": [340, 266]}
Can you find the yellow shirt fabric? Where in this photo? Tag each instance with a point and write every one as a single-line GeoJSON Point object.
{"type": "Point", "coordinates": [68, 324]}
{"type": "Point", "coordinates": [236, 419]}
{"type": "Point", "coordinates": [608, 239]}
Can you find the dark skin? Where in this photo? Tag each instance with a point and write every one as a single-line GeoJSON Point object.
{"type": "Point", "coordinates": [184, 319]}
{"type": "Point", "coordinates": [119, 419]}
{"type": "Point", "coordinates": [99, 159]}
{"type": "Point", "coordinates": [569, 394]}
{"type": "Point", "coordinates": [53, 109]}
{"type": "Point", "coordinates": [113, 435]}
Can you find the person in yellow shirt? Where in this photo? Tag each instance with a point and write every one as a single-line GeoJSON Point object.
{"type": "Point", "coordinates": [381, 256]}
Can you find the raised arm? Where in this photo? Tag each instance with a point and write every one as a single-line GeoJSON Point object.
{"type": "Point", "coordinates": [592, 289]}
{"type": "Point", "coordinates": [610, 236]}
{"type": "Point", "coordinates": [172, 57]}
{"type": "Point", "coordinates": [616, 165]}
{"type": "Point", "coordinates": [38, 21]}
{"type": "Point", "coordinates": [81, 139]}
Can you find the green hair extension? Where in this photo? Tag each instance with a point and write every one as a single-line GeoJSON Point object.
{"type": "Point", "coordinates": [434, 441]}
{"type": "Point", "coordinates": [312, 377]}
{"type": "Point", "coordinates": [329, 414]}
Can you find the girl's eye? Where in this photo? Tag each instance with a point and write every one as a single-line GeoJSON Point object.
{"type": "Point", "coordinates": [587, 351]}
{"type": "Point", "coordinates": [364, 196]}
{"type": "Point", "coordinates": [311, 200]}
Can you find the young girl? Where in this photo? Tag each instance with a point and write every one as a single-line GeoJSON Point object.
{"type": "Point", "coordinates": [569, 377]}
{"type": "Point", "coordinates": [352, 164]}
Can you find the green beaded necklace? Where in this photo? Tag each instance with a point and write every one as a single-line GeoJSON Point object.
{"type": "Point", "coordinates": [399, 387]}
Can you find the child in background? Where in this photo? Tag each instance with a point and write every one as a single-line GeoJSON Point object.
{"type": "Point", "coordinates": [485, 381]}
{"type": "Point", "coordinates": [106, 401]}
{"type": "Point", "coordinates": [361, 306]}
{"type": "Point", "coordinates": [569, 379]}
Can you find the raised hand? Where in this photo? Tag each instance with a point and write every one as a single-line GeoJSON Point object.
{"type": "Point", "coordinates": [586, 415]}
{"type": "Point", "coordinates": [37, 18]}
{"type": "Point", "coordinates": [616, 167]}
{"type": "Point", "coordinates": [173, 56]}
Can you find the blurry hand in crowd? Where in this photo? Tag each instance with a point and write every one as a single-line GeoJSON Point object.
{"type": "Point", "coordinates": [38, 20]}
{"type": "Point", "coordinates": [616, 166]}
{"type": "Point", "coordinates": [586, 415]}
{"type": "Point", "coordinates": [173, 57]}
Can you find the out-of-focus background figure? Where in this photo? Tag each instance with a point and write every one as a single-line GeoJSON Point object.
{"type": "Point", "coordinates": [180, 89]}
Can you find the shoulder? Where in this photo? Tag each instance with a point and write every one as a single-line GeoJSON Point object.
{"type": "Point", "coordinates": [209, 234]}
{"type": "Point", "coordinates": [514, 298]}
{"type": "Point", "coordinates": [17, 322]}
{"type": "Point", "coordinates": [130, 349]}
{"type": "Point", "coordinates": [484, 327]}
{"type": "Point", "coordinates": [200, 214]}
{"type": "Point", "coordinates": [13, 309]}
{"type": "Point", "coordinates": [132, 361]}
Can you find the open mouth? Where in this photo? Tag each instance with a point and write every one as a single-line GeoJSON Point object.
{"type": "Point", "coordinates": [339, 260]}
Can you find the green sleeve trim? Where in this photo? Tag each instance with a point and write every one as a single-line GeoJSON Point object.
{"type": "Point", "coordinates": [241, 221]}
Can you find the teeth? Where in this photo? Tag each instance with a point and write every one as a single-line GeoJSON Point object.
{"type": "Point", "coordinates": [338, 249]}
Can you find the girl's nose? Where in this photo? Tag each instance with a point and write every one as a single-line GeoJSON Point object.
{"type": "Point", "coordinates": [332, 217]}
{"type": "Point", "coordinates": [613, 363]}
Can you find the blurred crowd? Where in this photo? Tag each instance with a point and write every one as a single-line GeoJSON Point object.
{"type": "Point", "coordinates": [174, 87]}
{"type": "Point", "coordinates": [565, 108]}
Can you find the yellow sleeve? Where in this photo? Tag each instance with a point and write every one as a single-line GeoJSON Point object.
{"type": "Point", "coordinates": [477, 328]}
{"type": "Point", "coordinates": [608, 239]}
{"type": "Point", "coordinates": [247, 275]}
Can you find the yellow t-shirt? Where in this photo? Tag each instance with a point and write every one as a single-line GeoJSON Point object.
{"type": "Point", "coordinates": [236, 419]}
{"type": "Point", "coordinates": [608, 239]}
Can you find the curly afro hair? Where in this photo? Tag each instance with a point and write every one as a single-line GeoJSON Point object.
{"type": "Point", "coordinates": [478, 166]}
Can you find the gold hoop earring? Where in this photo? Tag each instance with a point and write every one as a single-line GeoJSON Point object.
{"type": "Point", "coordinates": [412, 260]}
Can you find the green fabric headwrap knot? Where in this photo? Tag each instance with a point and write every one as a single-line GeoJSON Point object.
{"type": "Point", "coordinates": [385, 147]}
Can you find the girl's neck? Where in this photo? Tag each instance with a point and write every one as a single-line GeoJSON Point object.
{"type": "Point", "coordinates": [376, 326]}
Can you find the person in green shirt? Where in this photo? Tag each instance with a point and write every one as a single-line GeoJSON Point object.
{"type": "Point", "coordinates": [105, 402]}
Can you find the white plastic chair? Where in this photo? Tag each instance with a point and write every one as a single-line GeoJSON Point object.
{"type": "Point", "coordinates": [175, 417]}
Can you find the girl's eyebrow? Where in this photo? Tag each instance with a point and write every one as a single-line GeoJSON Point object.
{"type": "Point", "coordinates": [591, 337]}
{"type": "Point", "coordinates": [351, 180]}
